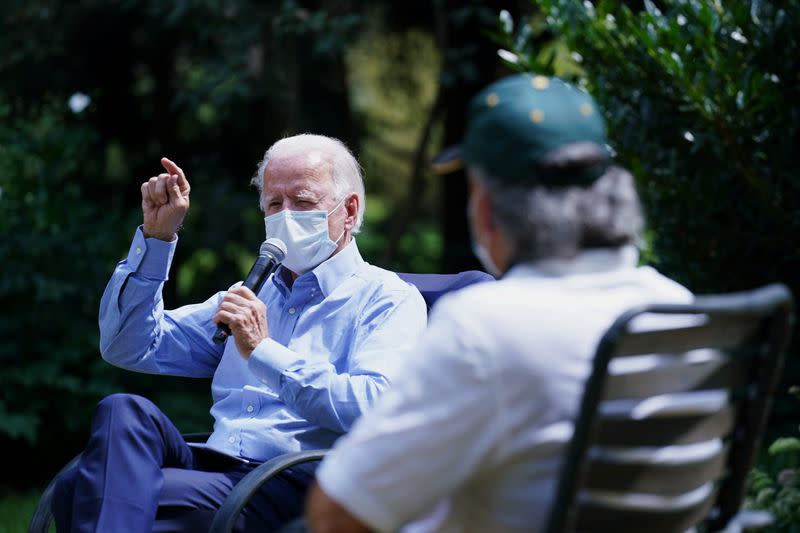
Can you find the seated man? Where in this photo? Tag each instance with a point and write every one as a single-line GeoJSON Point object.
{"type": "Point", "coordinates": [308, 354]}
{"type": "Point", "coordinates": [471, 436]}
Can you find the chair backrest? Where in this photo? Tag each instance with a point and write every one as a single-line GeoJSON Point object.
{"type": "Point", "coordinates": [434, 286]}
{"type": "Point", "coordinates": [672, 415]}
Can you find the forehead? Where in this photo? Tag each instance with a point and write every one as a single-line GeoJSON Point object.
{"type": "Point", "coordinates": [305, 172]}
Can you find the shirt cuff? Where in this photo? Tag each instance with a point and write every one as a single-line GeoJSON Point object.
{"type": "Point", "coordinates": [269, 360]}
{"type": "Point", "coordinates": [151, 258]}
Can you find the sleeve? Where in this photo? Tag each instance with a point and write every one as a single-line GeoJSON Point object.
{"type": "Point", "coordinates": [441, 413]}
{"type": "Point", "coordinates": [330, 398]}
{"type": "Point", "coordinates": [135, 331]}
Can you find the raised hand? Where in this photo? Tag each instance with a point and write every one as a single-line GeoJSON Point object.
{"type": "Point", "coordinates": [165, 202]}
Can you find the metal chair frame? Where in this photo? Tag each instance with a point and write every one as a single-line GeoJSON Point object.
{"type": "Point", "coordinates": [753, 329]}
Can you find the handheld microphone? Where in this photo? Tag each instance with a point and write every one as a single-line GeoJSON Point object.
{"type": "Point", "coordinates": [270, 255]}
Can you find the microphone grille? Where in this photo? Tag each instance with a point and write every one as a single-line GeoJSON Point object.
{"type": "Point", "coordinates": [273, 246]}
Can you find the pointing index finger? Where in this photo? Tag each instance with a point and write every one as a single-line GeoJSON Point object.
{"type": "Point", "coordinates": [172, 168]}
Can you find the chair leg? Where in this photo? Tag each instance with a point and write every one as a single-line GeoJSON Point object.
{"type": "Point", "coordinates": [42, 515]}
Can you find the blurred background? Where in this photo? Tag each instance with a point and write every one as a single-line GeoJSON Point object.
{"type": "Point", "coordinates": [702, 100]}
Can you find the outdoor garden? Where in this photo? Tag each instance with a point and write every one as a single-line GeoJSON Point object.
{"type": "Point", "coordinates": [701, 98]}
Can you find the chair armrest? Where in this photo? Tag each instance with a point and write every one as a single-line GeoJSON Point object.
{"type": "Point", "coordinates": [226, 516]}
{"type": "Point", "coordinates": [196, 437]}
{"type": "Point", "coordinates": [42, 516]}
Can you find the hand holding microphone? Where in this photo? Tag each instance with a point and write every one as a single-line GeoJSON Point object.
{"type": "Point", "coordinates": [240, 310]}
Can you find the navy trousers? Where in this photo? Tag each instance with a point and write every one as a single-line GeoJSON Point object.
{"type": "Point", "coordinates": [137, 474]}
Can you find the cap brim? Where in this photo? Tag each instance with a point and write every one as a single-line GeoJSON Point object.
{"type": "Point", "coordinates": [448, 160]}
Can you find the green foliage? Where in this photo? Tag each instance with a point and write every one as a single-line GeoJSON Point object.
{"type": "Point", "coordinates": [702, 102]}
{"type": "Point", "coordinates": [706, 114]}
{"type": "Point", "coordinates": [787, 447]}
{"type": "Point", "coordinates": [393, 84]}
{"type": "Point", "coordinates": [393, 88]}
{"type": "Point", "coordinates": [774, 485]}
{"type": "Point", "coordinates": [16, 510]}
{"type": "Point", "coordinates": [327, 32]}
{"type": "Point", "coordinates": [47, 225]}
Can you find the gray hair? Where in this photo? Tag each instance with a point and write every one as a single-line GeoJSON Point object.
{"type": "Point", "coordinates": [347, 176]}
{"type": "Point", "coordinates": [558, 222]}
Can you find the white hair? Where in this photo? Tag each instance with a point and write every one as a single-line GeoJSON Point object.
{"type": "Point", "coordinates": [347, 176]}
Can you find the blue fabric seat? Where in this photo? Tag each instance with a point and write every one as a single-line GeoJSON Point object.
{"type": "Point", "coordinates": [434, 286]}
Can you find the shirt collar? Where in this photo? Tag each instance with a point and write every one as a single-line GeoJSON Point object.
{"type": "Point", "coordinates": [594, 261]}
{"type": "Point", "coordinates": [328, 274]}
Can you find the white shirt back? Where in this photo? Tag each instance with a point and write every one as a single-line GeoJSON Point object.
{"type": "Point", "coordinates": [471, 435]}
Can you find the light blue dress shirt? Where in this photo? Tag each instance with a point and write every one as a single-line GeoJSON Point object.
{"type": "Point", "coordinates": [337, 337]}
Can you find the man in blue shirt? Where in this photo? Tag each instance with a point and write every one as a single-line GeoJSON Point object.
{"type": "Point", "coordinates": [308, 354]}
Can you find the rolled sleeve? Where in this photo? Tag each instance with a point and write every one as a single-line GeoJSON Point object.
{"type": "Point", "coordinates": [269, 360]}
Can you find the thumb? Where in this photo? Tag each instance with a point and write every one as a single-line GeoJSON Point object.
{"type": "Point", "coordinates": [175, 190]}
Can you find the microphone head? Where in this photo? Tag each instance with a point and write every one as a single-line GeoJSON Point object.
{"type": "Point", "coordinates": [275, 247]}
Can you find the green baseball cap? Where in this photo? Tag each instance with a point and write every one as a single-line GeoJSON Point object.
{"type": "Point", "coordinates": [516, 125]}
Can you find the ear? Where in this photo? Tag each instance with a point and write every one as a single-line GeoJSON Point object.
{"type": "Point", "coordinates": [481, 201]}
{"type": "Point", "coordinates": [351, 204]}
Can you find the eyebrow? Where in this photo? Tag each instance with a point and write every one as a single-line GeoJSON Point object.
{"type": "Point", "coordinates": [305, 194]}
{"type": "Point", "coordinates": [302, 194]}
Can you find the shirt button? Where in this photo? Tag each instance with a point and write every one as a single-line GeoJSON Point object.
{"type": "Point", "coordinates": [231, 439]}
{"type": "Point", "coordinates": [250, 408]}
{"type": "Point", "coordinates": [292, 310]}
{"type": "Point", "coordinates": [138, 250]}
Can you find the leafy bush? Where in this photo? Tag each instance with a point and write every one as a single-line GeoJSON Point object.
{"type": "Point", "coordinates": [702, 102]}
{"type": "Point", "coordinates": [48, 229]}
{"type": "Point", "coordinates": [705, 112]}
{"type": "Point", "coordinates": [775, 484]}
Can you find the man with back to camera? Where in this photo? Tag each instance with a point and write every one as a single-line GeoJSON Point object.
{"type": "Point", "coordinates": [471, 436]}
{"type": "Point", "coordinates": [308, 354]}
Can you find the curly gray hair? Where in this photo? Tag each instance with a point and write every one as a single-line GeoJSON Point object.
{"type": "Point", "coordinates": [558, 222]}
